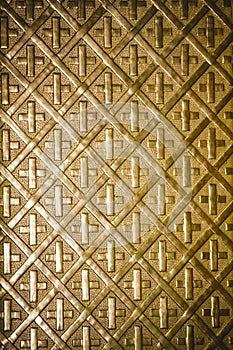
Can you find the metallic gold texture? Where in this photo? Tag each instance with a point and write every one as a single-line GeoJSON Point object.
{"type": "Point", "coordinates": [116, 174]}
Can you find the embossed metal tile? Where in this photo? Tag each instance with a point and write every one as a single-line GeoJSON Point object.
{"type": "Point", "coordinates": [116, 174]}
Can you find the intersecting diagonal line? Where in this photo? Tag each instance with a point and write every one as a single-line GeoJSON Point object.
{"type": "Point", "coordinates": [31, 257]}
{"type": "Point", "coordinates": [31, 87]}
{"type": "Point", "coordinates": [208, 167]}
{"type": "Point", "coordinates": [61, 12]}
{"type": "Point", "coordinates": [167, 68]}
{"type": "Point", "coordinates": [12, 281]}
{"type": "Point", "coordinates": [223, 180]}
{"type": "Point", "coordinates": [226, 184]}
{"type": "Point", "coordinates": [216, 174]}
{"type": "Point", "coordinates": [187, 257]}
{"type": "Point", "coordinates": [33, 315]}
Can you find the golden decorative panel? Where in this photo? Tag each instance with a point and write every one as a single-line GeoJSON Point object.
{"type": "Point", "coordinates": [116, 173]}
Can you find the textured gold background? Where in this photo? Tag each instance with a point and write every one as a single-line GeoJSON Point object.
{"type": "Point", "coordinates": [170, 289]}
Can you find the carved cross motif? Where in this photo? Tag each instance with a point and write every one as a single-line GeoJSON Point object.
{"type": "Point", "coordinates": [159, 88]}
{"type": "Point", "coordinates": [215, 312]}
{"type": "Point", "coordinates": [59, 314]}
{"type": "Point", "coordinates": [31, 116]}
{"type": "Point", "coordinates": [8, 315]}
{"type": "Point", "coordinates": [83, 116]}
{"type": "Point", "coordinates": [58, 200]}
{"type": "Point", "coordinates": [7, 201]}
{"type": "Point", "coordinates": [81, 5]}
{"type": "Point", "coordinates": [184, 59]}
{"type": "Point", "coordinates": [135, 172]}
{"type": "Point", "coordinates": [8, 145]}
{"type": "Point", "coordinates": [86, 342]}
{"type": "Point", "coordinates": [107, 32]}
{"type": "Point", "coordinates": [7, 258]}
{"type": "Point", "coordinates": [162, 255]}
{"type": "Point", "coordinates": [137, 284]}
{"type": "Point", "coordinates": [58, 144]}
{"type": "Point", "coordinates": [132, 6]}
{"type": "Point", "coordinates": [111, 256]}
{"type": "Point", "coordinates": [82, 60]}
{"type": "Point", "coordinates": [110, 200]}
{"type": "Point", "coordinates": [57, 88]}
{"type": "Point", "coordinates": [59, 257]}
{"type": "Point", "coordinates": [211, 143]}
{"type": "Point", "coordinates": [209, 31]}
{"type": "Point", "coordinates": [213, 199]}
{"type": "Point", "coordinates": [185, 115]}
{"type": "Point", "coordinates": [163, 312]}
{"type": "Point", "coordinates": [29, 6]}
{"type": "Point", "coordinates": [133, 60]}
{"type": "Point", "coordinates": [56, 32]}
{"type": "Point", "coordinates": [138, 341]}
{"type": "Point", "coordinates": [6, 32]}
{"type": "Point", "coordinates": [32, 173]}
{"type": "Point", "coordinates": [214, 255]}
{"type": "Point", "coordinates": [86, 285]}
{"type": "Point", "coordinates": [108, 88]}
{"type": "Point", "coordinates": [189, 283]}
{"type": "Point", "coordinates": [112, 313]}
{"type": "Point", "coordinates": [6, 89]}
{"type": "Point", "coordinates": [30, 60]}
{"type": "Point", "coordinates": [190, 341]}
{"type": "Point", "coordinates": [210, 87]}
{"type": "Point", "coordinates": [33, 229]}
{"type": "Point", "coordinates": [84, 172]}
{"type": "Point", "coordinates": [159, 31]}
{"type": "Point", "coordinates": [33, 286]}
{"type": "Point", "coordinates": [109, 144]}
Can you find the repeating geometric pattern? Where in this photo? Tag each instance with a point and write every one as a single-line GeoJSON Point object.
{"type": "Point", "coordinates": [116, 174]}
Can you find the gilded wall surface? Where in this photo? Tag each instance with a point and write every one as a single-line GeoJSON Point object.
{"type": "Point", "coordinates": [116, 173]}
